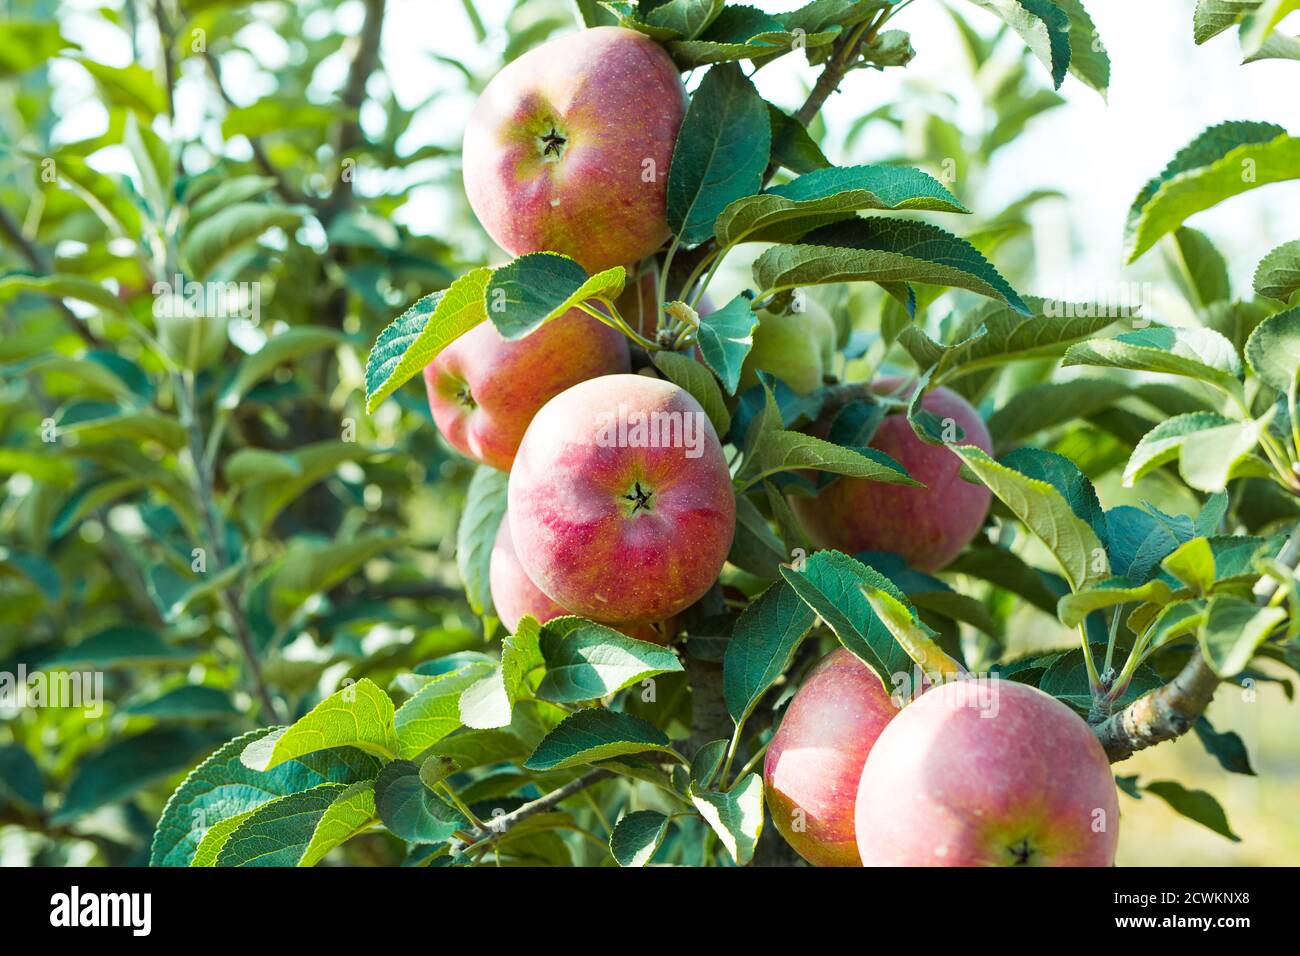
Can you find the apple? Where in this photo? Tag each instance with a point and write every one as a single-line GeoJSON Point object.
{"type": "Point", "coordinates": [927, 526]}
{"type": "Point", "coordinates": [796, 347]}
{"type": "Point", "coordinates": [568, 148]}
{"type": "Point", "coordinates": [484, 389]}
{"type": "Point", "coordinates": [987, 772]}
{"type": "Point", "coordinates": [815, 760]}
{"type": "Point", "coordinates": [514, 594]}
{"type": "Point", "coordinates": [620, 502]}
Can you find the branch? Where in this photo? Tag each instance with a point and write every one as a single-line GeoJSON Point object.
{"type": "Point", "coordinates": [353, 96]}
{"type": "Point", "coordinates": [501, 825]}
{"type": "Point", "coordinates": [40, 264]}
{"type": "Point", "coordinates": [1171, 710]}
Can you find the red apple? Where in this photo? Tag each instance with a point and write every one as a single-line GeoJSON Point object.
{"type": "Point", "coordinates": [514, 594]}
{"type": "Point", "coordinates": [927, 526]}
{"type": "Point", "coordinates": [568, 148]}
{"type": "Point", "coordinates": [815, 759]}
{"type": "Point", "coordinates": [484, 390]}
{"type": "Point", "coordinates": [620, 502]}
{"type": "Point", "coordinates": [987, 772]}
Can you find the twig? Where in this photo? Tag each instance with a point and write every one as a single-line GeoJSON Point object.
{"type": "Point", "coordinates": [1170, 711]}
{"type": "Point", "coordinates": [350, 135]}
{"type": "Point", "coordinates": [502, 824]}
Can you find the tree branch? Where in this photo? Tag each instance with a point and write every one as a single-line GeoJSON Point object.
{"type": "Point", "coordinates": [502, 824]}
{"type": "Point", "coordinates": [1171, 710]}
{"type": "Point", "coordinates": [353, 96]}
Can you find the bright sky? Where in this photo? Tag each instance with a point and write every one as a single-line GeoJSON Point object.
{"type": "Point", "coordinates": [1099, 154]}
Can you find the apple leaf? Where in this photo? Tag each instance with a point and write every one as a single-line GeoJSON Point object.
{"type": "Point", "coordinates": [586, 661]}
{"type": "Point", "coordinates": [1003, 335]}
{"type": "Point", "coordinates": [762, 646]}
{"type": "Point", "coordinates": [1221, 162]}
{"type": "Point", "coordinates": [1233, 630]}
{"type": "Point", "coordinates": [20, 779]}
{"type": "Point", "coordinates": [215, 838]}
{"type": "Point", "coordinates": [1195, 805]}
{"type": "Point", "coordinates": [792, 147]}
{"type": "Point", "coordinates": [525, 294]}
{"type": "Point", "coordinates": [685, 372]}
{"type": "Point", "coordinates": [1276, 46]}
{"type": "Point", "coordinates": [414, 338]}
{"type": "Point", "coordinates": [1202, 354]}
{"type": "Point", "coordinates": [359, 715]}
{"type": "Point", "coordinates": [1043, 25]}
{"type": "Point", "coordinates": [352, 811]}
{"type": "Point", "coordinates": [1007, 570]}
{"type": "Point", "coordinates": [882, 250]}
{"type": "Point", "coordinates": [288, 345]}
{"type": "Point", "coordinates": [476, 532]}
{"type": "Point", "coordinates": [225, 232]}
{"type": "Point", "coordinates": [1046, 512]}
{"type": "Point", "coordinates": [1065, 476]}
{"type": "Point", "coordinates": [410, 810]}
{"type": "Point", "coordinates": [1198, 267]}
{"type": "Point", "coordinates": [1192, 563]}
{"type": "Point", "coordinates": [1048, 404]}
{"type": "Point", "coordinates": [755, 548]}
{"type": "Point", "coordinates": [279, 832]}
{"type": "Point", "coordinates": [721, 153]}
{"type": "Point", "coordinates": [736, 815]}
{"type": "Point", "coordinates": [685, 18]}
{"type": "Point", "coordinates": [832, 584]}
{"type": "Point", "coordinates": [1273, 350]}
{"type": "Point", "coordinates": [596, 734]}
{"type": "Point", "coordinates": [1228, 748]}
{"type": "Point", "coordinates": [783, 450]}
{"type": "Point", "coordinates": [636, 837]}
{"type": "Point", "coordinates": [1212, 17]}
{"type": "Point", "coordinates": [912, 636]}
{"type": "Point", "coordinates": [489, 702]}
{"type": "Point", "coordinates": [1263, 20]}
{"type": "Point", "coordinates": [1089, 61]}
{"type": "Point", "coordinates": [725, 338]}
{"type": "Point", "coordinates": [742, 33]}
{"type": "Point", "coordinates": [1278, 274]}
{"type": "Point", "coordinates": [828, 195]}
{"type": "Point", "coordinates": [435, 710]}
{"type": "Point", "coordinates": [223, 786]}
{"type": "Point", "coordinates": [1164, 442]}
{"type": "Point", "coordinates": [1074, 608]}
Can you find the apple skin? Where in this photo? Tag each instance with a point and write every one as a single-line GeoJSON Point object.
{"type": "Point", "coordinates": [815, 760]}
{"type": "Point", "coordinates": [987, 772]}
{"type": "Point", "coordinates": [612, 531]}
{"type": "Point", "coordinates": [484, 389]}
{"type": "Point", "coordinates": [796, 347]}
{"type": "Point", "coordinates": [514, 594]}
{"type": "Point", "coordinates": [614, 101]}
{"type": "Point", "coordinates": [927, 527]}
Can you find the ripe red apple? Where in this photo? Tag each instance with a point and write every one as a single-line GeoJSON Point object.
{"type": "Point", "coordinates": [514, 594]}
{"type": "Point", "coordinates": [815, 759]}
{"type": "Point", "coordinates": [484, 390]}
{"type": "Point", "coordinates": [987, 772]}
{"type": "Point", "coordinates": [568, 148]}
{"type": "Point", "coordinates": [927, 526]}
{"type": "Point", "coordinates": [620, 502]}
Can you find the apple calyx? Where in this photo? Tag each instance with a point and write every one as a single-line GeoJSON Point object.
{"type": "Point", "coordinates": [640, 498]}
{"type": "Point", "coordinates": [552, 144]}
{"type": "Point", "coordinates": [1021, 853]}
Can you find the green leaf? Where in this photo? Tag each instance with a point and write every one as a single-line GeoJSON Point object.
{"type": "Point", "coordinates": [721, 153]}
{"type": "Point", "coordinates": [725, 338]}
{"type": "Point", "coordinates": [1222, 162]}
{"type": "Point", "coordinates": [755, 548]}
{"type": "Point", "coordinates": [222, 787]}
{"type": "Point", "coordinates": [124, 768]}
{"type": "Point", "coordinates": [1277, 276]}
{"type": "Point", "coordinates": [1049, 404]}
{"type": "Point", "coordinates": [414, 338]}
{"type": "Point", "coordinates": [1195, 805]}
{"type": "Point", "coordinates": [636, 837]}
{"type": "Point", "coordinates": [1045, 512]}
{"type": "Point", "coordinates": [133, 87]}
{"type": "Point", "coordinates": [685, 18]}
{"type": "Point", "coordinates": [311, 567]}
{"type": "Point", "coordinates": [828, 195]}
{"type": "Point", "coordinates": [685, 372]}
{"type": "Point", "coordinates": [278, 833]}
{"type": "Point", "coordinates": [1198, 267]}
{"type": "Point", "coordinates": [153, 164]}
{"type": "Point", "coordinates": [103, 422]}
{"type": "Point", "coordinates": [1227, 748]}
{"type": "Point", "coordinates": [63, 287]}
{"type": "Point", "coordinates": [123, 646]}
{"type": "Point", "coordinates": [490, 701]}
{"type": "Point", "coordinates": [762, 645]}
{"type": "Point", "coordinates": [833, 585]}
{"type": "Point", "coordinates": [736, 815]}
{"type": "Point", "coordinates": [476, 532]}
{"type": "Point", "coordinates": [1007, 570]}
{"type": "Point", "coordinates": [352, 812]}
{"type": "Point", "coordinates": [410, 810]}
{"type": "Point", "coordinates": [228, 192]}
{"type": "Point", "coordinates": [1044, 27]}
{"type": "Point", "coordinates": [792, 147]}
{"type": "Point", "coordinates": [188, 702]}
{"type": "Point", "coordinates": [1212, 17]}
{"type": "Point", "coordinates": [260, 504]}
{"type": "Point", "coordinates": [595, 734]}
{"type": "Point", "coordinates": [1063, 475]}
{"type": "Point", "coordinates": [532, 290]}
{"type": "Point", "coordinates": [586, 661]}
{"type": "Point", "coordinates": [1201, 354]}
{"type": "Point", "coordinates": [1089, 61]}
{"type": "Point", "coordinates": [214, 839]}
{"type": "Point", "coordinates": [1273, 350]}
{"type": "Point", "coordinates": [1073, 608]}
{"type": "Point", "coordinates": [286, 347]}
{"type": "Point", "coordinates": [249, 466]}
{"type": "Point", "coordinates": [782, 450]}
{"type": "Point", "coordinates": [20, 779]}
{"type": "Point", "coordinates": [1164, 443]}
{"type": "Point", "coordinates": [882, 250]}
{"type": "Point", "coordinates": [912, 636]}
{"type": "Point", "coordinates": [213, 240]}
{"type": "Point", "coordinates": [26, 45]}
{"type": "Point", "coordinates": [435, 711]}
{"type": "Point", "coordinates": [360, 715]}
{"type": "Point", "coordinates": [1233, 630]}
{"type": "Point", "coordinates": [1263, 20]}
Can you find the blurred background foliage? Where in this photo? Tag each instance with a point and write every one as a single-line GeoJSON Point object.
{"type": "Point", "coordinates": [178, 499]}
